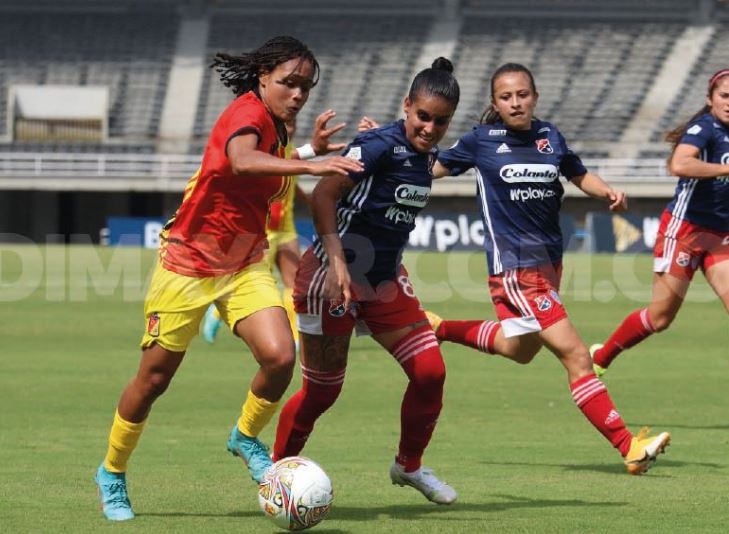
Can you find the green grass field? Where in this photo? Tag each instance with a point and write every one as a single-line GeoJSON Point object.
{"type": "Point", "coordinates": [510, 439]}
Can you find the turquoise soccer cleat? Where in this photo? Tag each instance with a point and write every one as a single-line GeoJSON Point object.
{"type": "Point", "coordinates": [211, 325]}
{"type": "Point", "coordinates": [113, 495]}
{"type": "Point", "coordinates": [253, 453]}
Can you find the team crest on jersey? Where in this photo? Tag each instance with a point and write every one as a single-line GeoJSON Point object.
{"type": "Point", "coordinates": [337, 309]}
{"type": "Point", "coordinates": [543, 303]}
{"type": "Point", "coordinates": [153, 325]}
{"type": "Point", "coordinates": [683, 259]}
{"type": "Point", "coordinates": [544, 147]}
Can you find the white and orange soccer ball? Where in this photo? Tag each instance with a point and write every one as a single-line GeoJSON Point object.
{"type": "Point", "coordinates": [296, 493]}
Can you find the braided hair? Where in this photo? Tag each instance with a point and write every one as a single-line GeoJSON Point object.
{"type": "Point", "coordinates": [240, 73]}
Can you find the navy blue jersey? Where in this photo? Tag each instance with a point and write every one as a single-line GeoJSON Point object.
{"type": "Point", "coordinates": [519, 192]}
{"type": "Point", "coordinates": [375, 219]}
{"type": "Point", "coordinates": [705, 202]}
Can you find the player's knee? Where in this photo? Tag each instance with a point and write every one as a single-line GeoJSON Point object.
{"type": "Point", "coordinates": [662, 321]}
{"type": "Point", "coordinates": [279, 361]}
{"type": "Point", "coordinates": [429, 374]}
{"type": "Point", "coordinates": [153, 385]}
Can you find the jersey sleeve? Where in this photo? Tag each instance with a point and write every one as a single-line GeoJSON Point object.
{"type": "Point", "coordinates": [570, 165]}
{"type": "Point", "coordinates": [697, 134]}
{"type": "Point", "coordinates": [461, 156]}
{"type": "Point", "coordinates": [245, 119]}
{"type": "Point", "coordinates": [368, 150]}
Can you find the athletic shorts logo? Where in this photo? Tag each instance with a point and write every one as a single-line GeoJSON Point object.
{"type": "Point", "coordinates": [543, 303]}
{"type": "Point", "coordinates": [725, 158]}
{"type": "Point", "coordinates": [544, 147]}
{"type": "Point", "coordinates": [555, 296]}
{"type": "Point", "coordinates": [683, 259]}
{"type": "Point", "coordinates": [726, 241]}
{"type": "Point", "coordinates": [153, 325]}
{"type": "Point", "coordinates": [337, 309]}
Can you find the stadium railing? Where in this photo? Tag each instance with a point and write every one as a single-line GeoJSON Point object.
{"type": "Point", "coordinates": [170, 172]}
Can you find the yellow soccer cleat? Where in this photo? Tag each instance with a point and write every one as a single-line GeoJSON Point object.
{"type": "Point", "coordinates": [599, 371]}
{"type": "Point", "coordinates": [434, 319]}
{"type": "Point", "coordinates": [644, 449]}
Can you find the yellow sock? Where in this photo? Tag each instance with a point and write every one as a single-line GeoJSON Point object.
{"type": "Point", "coordinates": [123, 440]}
{"type": "Point", "coordinates": [288, 302]}
{"type": "Point", "coordinates": [255, 415]}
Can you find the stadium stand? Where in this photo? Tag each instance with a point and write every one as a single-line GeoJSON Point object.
{"type": "Point", "coordinates": [691, 96]}
{"type": "Point", "coordinates": [591, 76]}
{"type": "Point", "coordinates": [366, 61]}
{"type": "Point", "coordinates": [127, 52]}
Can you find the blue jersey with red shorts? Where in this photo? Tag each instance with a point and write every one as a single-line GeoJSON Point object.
{"type": "Point", "coordinates": [519, 192]}
{"type": "Point", "coordinates": [375, 219]}
{"type": "Point", "coordinates": [519, 195]}
{"type": "Point", "coordinates": [705, 202]}
{"type": "Point", "coordinates": [694, 228]}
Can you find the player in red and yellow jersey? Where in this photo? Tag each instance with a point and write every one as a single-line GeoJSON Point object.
{"type": "Point", "coordinates": [212, 252]}
{"type": "Point", "coordinates": [283, 242]}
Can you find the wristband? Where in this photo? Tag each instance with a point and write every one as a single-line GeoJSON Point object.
{"type": "Point", "coordinates": [306, 152]}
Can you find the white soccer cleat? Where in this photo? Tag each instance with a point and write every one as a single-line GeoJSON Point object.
{"type": "Point", "coordinates": [423, 480]}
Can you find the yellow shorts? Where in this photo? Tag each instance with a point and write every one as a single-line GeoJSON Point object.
{"type": "Point", "coordinates": [175, 304]}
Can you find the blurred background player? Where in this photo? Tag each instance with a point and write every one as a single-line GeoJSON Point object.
{"type": "Point", "coordinates": [518, 160]}
{"type": "Point", "coordinates": [694, 227]}
{"type": "Point", "coordinates": [352, 277]}
{"type": "Point", "coordinates": [212, 251]}
{"type": "Point", "coordinates": [283, 242]}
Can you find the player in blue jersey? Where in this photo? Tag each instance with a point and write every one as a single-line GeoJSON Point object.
{"type": "Point", "coordinates": [352, 277]}
{"type": "Point", "coordinates": [694, 228]}
{"type": "Point", "coordinates": [518, 160]}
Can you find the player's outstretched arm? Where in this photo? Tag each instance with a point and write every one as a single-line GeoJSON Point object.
{"type": "Point", "coordinates": [245, 160]}
{"type": "Point", "coordinates": [324, 204]}
{"type": "Point", "coordinates": [594, 186]}
{"type": "Point", "coordinates": [685, 162]}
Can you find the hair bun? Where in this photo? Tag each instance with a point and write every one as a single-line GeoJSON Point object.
{"type": "Point", "coordinates": [442, 63]}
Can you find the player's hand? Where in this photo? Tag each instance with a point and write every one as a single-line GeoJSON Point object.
{"type": "Point", "coordinates": [335, 165]}
{"type": "Point", "coordinates": [618, 200]}
{"type": "Point", "coordinates": [320, 139]}
{"type": "Point", "coordinates": [337, 285]}
{"type": "Point", "coordinates": [365, 123]}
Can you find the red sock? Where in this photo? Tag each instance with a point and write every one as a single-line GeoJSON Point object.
{"type": "Point", "coordinates": [319, 391]}
{"type": "Point", "coordinates": [419, 355]}
{"type": "Point", "coordinates": [592, 398]}
{"type": "Point", "coordinates": [635, 328]}
{"type": "Point", "coordinates": [478, 335]}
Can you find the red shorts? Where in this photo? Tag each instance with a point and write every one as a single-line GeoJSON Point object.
{"type": "Point", "coordinates": [527, 299]}
{"type": "Point", "coordinates": [682, 247]}
{"type": "Point", "coordinates": [389, 306]}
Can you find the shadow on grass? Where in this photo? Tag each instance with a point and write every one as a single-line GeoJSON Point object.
{"type": "Point", "coordinates": [406, 512]}
{"type": "Point", "coordinates": [669, 426]}
{"type": "Point", "coordinates": [616, 468]}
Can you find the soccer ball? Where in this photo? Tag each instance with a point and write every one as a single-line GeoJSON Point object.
{"type": "Point", "coordinates": [295, 493]}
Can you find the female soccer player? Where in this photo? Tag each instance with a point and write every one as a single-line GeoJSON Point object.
{"type": "Point", "coordinates": [283, 243]}
{"type": "Point", "coordinates": [352, 277]}
{"type": "Point", "coordinates": [212, 251]}
{"type": "Point", "coordinates": [518, 160]}
{"type": "Point", "coordinates": [694, 228]}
